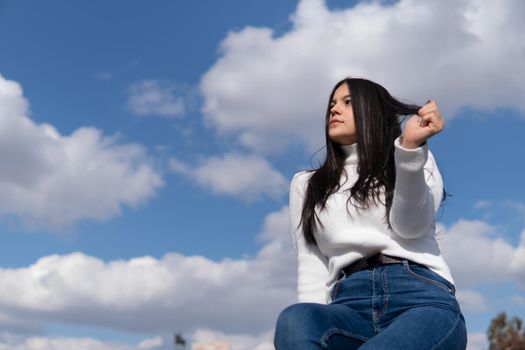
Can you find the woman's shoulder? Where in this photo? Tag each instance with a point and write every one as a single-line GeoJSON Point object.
{"type": "Point", "coordinates": [302, 176]}
{"type": "Point", "coordinates": [300, 179]}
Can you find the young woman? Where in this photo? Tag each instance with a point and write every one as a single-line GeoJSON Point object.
{"type": "Point", "coordinates": [371, 275]}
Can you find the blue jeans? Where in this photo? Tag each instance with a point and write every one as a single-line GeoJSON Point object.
{"type": "Point", "coordinates": [396, 306]}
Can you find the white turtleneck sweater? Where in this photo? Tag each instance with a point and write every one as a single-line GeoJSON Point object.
{"type": "Point", "coordinates": [343, 239]}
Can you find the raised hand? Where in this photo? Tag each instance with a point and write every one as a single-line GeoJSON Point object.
{"type": "Point", "coordinates": [419, 128]}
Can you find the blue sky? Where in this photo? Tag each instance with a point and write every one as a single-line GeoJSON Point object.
{"type": "Point", "coordinates": [147, 151]}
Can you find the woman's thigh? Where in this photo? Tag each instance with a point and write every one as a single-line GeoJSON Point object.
{"type": "Point", "coordinates": [421, 311]}
{"type": "Point", "coordinates": [425, 327]}
{"type": "Point", "coordinates": [311, 326]}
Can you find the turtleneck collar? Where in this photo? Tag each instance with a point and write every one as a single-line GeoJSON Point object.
{"type": "Point", "coordinates": [350, 153]}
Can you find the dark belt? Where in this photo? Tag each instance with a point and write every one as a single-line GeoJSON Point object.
{"type": "Point", "coordinates": [370, 262]}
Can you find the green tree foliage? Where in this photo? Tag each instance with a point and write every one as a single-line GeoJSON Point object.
{"type": "Point", "coordinates": [506, 334]}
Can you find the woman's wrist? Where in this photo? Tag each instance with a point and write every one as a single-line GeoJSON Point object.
{"type": "Point", "coordinates": [410, 144]}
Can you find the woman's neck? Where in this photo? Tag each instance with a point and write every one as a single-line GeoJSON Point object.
{"type": "Point", "coordinates": [351, 156]}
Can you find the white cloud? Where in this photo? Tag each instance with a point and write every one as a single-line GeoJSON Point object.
{"type": "Point", "coordinates": [179, 166]}
{"type": "Point", "coordinates": [236, 341]}
{"type": "Point", "coordinates": [518, 262]}
{"type": "Point", "coordinates": [482, 204]}
{"type": "Point", "coordinates": [14, 342]}
{"type": "Point", "coordinates": [9, 341]}
{"type": "Point", "coordinates": [155, 98]}
{"type": "Point", "coordinates": [477, 341]}
{"type": "Point", "coordinates": [151, 343]}
{"type": "Point", "coordinates": [244, 176]}
{"type": "Point", "coordinates": [117, 71]}
{"type": "Point", "coordinates": [147, 295]}
{"type": "Point", "coordinates": [52, 180]}
{"type": "Point", "coordinates": [272, 90]}
{"type": "Point", "coordinates": [518, 207]}
{"type": "Point", "coordinates": [518, 300]}
{"type": "Point", "coordinates": [476, 253]}
{"type": "Point", "coordinates": [264, 341]}
{"type": "Point", "coordinates": [471, 300]}
{"type": "Point", "coordinates": [276, 227]}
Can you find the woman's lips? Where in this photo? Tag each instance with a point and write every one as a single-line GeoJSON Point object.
{"type": "Point", "coordinates": [335, 121]}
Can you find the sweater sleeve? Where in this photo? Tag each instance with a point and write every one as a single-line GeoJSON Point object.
{"type": "Point", "coordinates": [418, 191]}
{"type": "Point", "coordinates": [312, 272]}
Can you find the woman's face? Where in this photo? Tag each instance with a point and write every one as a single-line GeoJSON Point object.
{"type": "Point", "coordinates": [341, 127]}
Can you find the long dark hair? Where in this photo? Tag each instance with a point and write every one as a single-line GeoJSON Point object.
{"type": "Point", "coordinates": [377, 121]}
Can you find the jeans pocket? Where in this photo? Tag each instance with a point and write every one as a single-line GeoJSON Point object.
{"type": "Point", "coordinates": [428, 276]}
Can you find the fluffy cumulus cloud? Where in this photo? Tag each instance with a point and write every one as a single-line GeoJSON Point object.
{"type": "Point", "coordinates": [15, 342]}
{"type": "Point", "coordinates": [229, 300]}
{"type": "Point", "coordinates": [203, 337]}
{"type": "Point", "coordinates": [272, 90]}
{"type": "Point", "coordinates": [471, 301]}
{"type": "Point", "coordinates": [156, 98]}
{"type": "Point", "coordinates": [477, 341]}
{"type": "Point", "coordinates": [518, 300]}
{"type": "Point", "coordinates": [244, 176]}
{"type": "Point", "coordinates": [147, 295]}
{"type": "Point", "coordinates": [52, 180]}
{"type": "Point", "coordinates": [477, 253]}
{"type": "Point", "coordinates": [236, 341]}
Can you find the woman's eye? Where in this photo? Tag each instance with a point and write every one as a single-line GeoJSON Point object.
{"type": "Point", "coordinates": [348, 102]}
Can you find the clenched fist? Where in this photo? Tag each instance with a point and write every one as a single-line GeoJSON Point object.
{"type": "Point", "coordinates": [422, 126]}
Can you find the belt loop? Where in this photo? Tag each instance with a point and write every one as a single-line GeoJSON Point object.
{"type": "Point", "coordinates": [405, 262]}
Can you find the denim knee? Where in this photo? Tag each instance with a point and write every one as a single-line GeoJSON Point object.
{"type": "Point", "coordinates": [294, 326]}
{"type": "Point", "coordinates": [289, 319]}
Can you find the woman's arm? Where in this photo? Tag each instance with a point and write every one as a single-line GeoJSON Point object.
{"type": "Point", "coordinates": [419, 186]}
{"type": "Point", "coordinates": [418, 191]}
{"type": "Point", "coordinates": [312, 271]}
